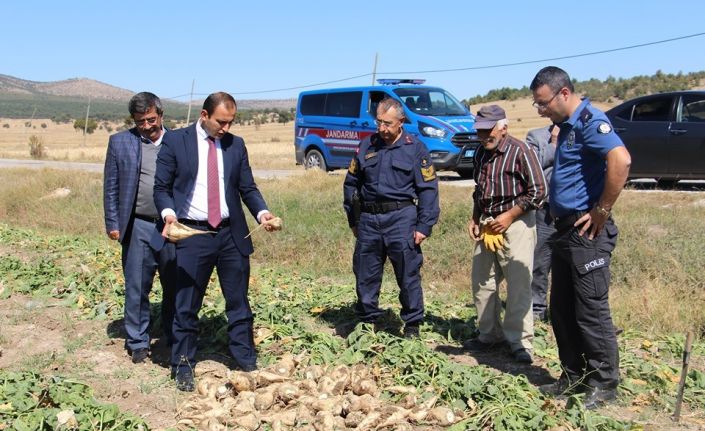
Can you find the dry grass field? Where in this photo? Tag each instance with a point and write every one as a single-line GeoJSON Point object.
{"type": "Point", "coordinates": [271, 146]}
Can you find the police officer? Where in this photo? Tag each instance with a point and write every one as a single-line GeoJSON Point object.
{"type": "Point", "coordinates": [394, 178]}
{"type": "Point", "coordinates": [591, 167]}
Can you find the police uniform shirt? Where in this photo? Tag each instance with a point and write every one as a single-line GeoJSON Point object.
{"type": "Point", "coordinates": [399, 172]}
{"type": "Point", "coordinates": [579, 170]}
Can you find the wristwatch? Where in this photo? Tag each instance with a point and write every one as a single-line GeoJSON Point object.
{"type": "Point", "coordinates": [603, 211]}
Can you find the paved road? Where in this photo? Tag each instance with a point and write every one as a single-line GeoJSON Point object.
{"type": "Point", "coordinates": [98, 167]}
{"type": "Point", "coordinates": [448, 178]}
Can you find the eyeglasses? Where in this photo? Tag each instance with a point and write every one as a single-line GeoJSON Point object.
{"type": "Point", "coordinates": [151, 121]}
{"type": "Point", "coordinates": [381, 123]}
{"type": "Point", "coordinates": [543, 105]}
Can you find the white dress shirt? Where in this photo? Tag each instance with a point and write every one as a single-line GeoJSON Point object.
{"type": "Point", "coordinates": [198, 202]}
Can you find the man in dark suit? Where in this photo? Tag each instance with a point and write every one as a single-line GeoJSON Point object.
{"type": "Point", "coordinates": [203, 172]}
{"type": "Point", "coordinates": [132, 218]}
{"type": "Point", "coordinates": [543, 141]}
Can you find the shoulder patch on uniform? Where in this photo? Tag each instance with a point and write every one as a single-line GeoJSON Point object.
{"type": "Point", "coordinates": [585, 115]}
{"type": "Point", "coordinates": [409, 140]}
{"type": "Point", "coordinates": [428, 172]}
{"type": "Point", "coordinates": [353, 166]}
{"type": "Point", "coordinates": [604, 128]}
{"type": "Point", "coordinates": [370, 155]}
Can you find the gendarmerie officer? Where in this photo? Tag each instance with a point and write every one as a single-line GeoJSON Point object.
{"type": "Point", "coordinates": [590, 169]}
{"type": "Point", "coordinates": [394, 178]}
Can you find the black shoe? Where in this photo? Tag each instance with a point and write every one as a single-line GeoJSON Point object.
{"type": "Point", "coordinates": [476, 345]}
{"type": "Point", "coordinates": [139, 355]}
{"type": "Point", "coordinates": [523, 356]}
{"type": "Point", "coordinates": [597, 397]}
{"type": "Point", "coordinates": [411, 332]}
{"type": "Point", "coordinates": [561, 387]}
{"type": "Point", "coordinates": [184, 380]}
{"type": "Point", "coordinates": [246, 367]}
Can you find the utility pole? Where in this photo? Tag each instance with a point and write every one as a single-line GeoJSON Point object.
{"type": "Point", "coordinates": [32, 119]}
{"type": "Point", "coordinates": [85, 125]}
{"type": "Point", "coordinates": [188, 116]}
{"type": "Point", "coordinates": [374, 69]}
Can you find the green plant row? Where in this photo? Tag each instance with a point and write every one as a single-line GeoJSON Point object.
{"type": "Point", "coordinates": [297, 313]}
{"type": "Point", "coordinates": [29, 401]}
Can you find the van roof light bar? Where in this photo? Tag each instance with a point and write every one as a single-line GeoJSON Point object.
{"type": "Point", "coordinates": [395, 81]}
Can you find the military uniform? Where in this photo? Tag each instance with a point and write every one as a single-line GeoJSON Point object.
{"type": "Point", "coordinates": [580, 312]}
{"type": "Point", "coordinates": [398, 192]}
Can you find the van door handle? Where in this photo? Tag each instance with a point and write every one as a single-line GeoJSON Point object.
{"type": "Point", "coordinates": [353, 123]}
{"type": "Point", "coordinates": [677, 132]}
{"type": "Point", "coordinates": [365, 124]}
{"type": "Point", "coordinates": [620, 129]}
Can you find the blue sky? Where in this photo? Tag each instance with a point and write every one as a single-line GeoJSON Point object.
{"type": "Point", "coordinates": [250, 46]}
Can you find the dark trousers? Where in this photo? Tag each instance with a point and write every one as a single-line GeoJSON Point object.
{"type": "Point", "coordinates": [388, 235]}
{"type": "Point", "coordinates": [139, 264]}
{"type": "Point", "coordinates": [196, 257]}
{"type": "Point", "coordinates": [542, 260]}
{"type": "Point", "coordinates": [580, 312]}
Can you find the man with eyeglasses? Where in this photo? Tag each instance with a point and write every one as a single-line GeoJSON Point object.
{"type": "Point", "coordinates": [203, 178]}
{"type": "Point", "coordinates": [590, 169]}
{"type": "Point", "coordinates": [510, 185]}
{"type": "Point", "coordinates": [131, 218]}
{"type": "Point", "coordinates": [393, 176]}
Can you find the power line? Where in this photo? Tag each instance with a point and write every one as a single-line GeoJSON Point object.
{"type": "Point", "coordinates": [565, 57]}
{"type": "Point", "coordinates": [461, 69]}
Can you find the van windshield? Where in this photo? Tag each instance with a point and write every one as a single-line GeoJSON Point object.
{"type": "Point", "coordinates": [431, 101]}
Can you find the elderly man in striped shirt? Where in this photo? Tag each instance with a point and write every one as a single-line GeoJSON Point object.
{"type": "Point", "coordinates": [510, 185]}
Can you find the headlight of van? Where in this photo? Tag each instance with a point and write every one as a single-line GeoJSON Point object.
{"type": "Point", "coordinates": [431, 131]}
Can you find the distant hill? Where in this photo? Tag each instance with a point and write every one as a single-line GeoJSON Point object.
{"type": "Point", "coordinates": [75, 87]}
{"type": "Point", "coordinates": [68, 99]}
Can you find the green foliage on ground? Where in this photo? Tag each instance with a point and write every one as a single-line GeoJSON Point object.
{"type": "Point", "coordinates": [657, 285]}
{"type": "Point", "coordinates": [297, 313]}
{"type": "Point", "coordinates": [611, 88]}
{"type": "Point", "coordinates": [29, 401]}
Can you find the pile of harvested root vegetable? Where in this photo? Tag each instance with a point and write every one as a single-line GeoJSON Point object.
{"type": "Point", "coordinates": [286, 396]}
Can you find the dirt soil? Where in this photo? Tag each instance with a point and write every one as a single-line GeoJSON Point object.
{"type": "Point", "coordinates": [48, 336]}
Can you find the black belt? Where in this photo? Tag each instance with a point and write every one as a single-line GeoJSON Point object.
{"type": "Point", "coordinates": [204, 223]}
{"type": "Point", "coordinates": [147, 218]}
{"type": "Point", "coordinates": [567, 221]}
{"type": "Point", "coordinates": [384, 206]}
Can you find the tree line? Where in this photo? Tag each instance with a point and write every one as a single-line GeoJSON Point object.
{"type": "Point", "coordinates": [68, 109]}
{"type": "Point", "coordinates": [609, 89]}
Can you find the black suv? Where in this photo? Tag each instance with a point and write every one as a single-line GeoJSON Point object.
{"type": "Point", "coordinates": [665, 135]}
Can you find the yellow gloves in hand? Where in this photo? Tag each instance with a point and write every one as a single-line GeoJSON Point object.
{"type": "Point", "coordinates": [493, 241]}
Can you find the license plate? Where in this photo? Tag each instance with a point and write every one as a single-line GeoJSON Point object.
{"type": "Point", "coordinates": [469, 153]}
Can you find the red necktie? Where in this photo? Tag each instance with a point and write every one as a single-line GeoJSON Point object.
{"type": "Point", "coordinates": [214, 218]}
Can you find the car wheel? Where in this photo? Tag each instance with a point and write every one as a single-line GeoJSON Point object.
{"type": "Point", "coordinates": [667, 184]}
{"type": "Point", "coordinates": [465, 173]}
{"type": "Point", "coordinates": [314, 160]}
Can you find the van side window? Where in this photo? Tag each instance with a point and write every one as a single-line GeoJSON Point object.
{"type": "Point", "coordinates": [375, 98]}
{"type": "Point", "coordinates": [313, 104]}
{"type": "Point", "coordinates": [345, 104]}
